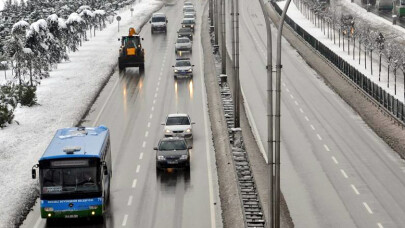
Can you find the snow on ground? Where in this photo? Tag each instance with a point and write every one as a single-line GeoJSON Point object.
{"type": "Point", "coordinates": [62, 98]}
{"type": "Point", "coordinates": [316, 32]}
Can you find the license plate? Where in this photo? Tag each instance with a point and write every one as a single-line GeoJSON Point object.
{"type": "Point", "coordinates": [172, 162]}
{"type": "Point", "coordinates": [71, 216]}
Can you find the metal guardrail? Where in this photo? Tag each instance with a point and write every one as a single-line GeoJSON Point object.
{"type": "Point", "coordinates": [376, 94]}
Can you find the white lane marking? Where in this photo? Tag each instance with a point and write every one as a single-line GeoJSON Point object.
{"type": "Point", "coordinates": [326, 147]}
{"type": "Point", "coordinates": [379, 225]}
{"type": "Point", "coordinates": [143, 144]}
{"type": "Point", "coordinates": [158, 83]}
{"type": "Point", "coordinates": [306, 118]}
{"type": "Point", "coordinates": [37, 222]}
{"type": "Point", "coordinates": [302, 111]}
{"type": "Point", "coordinates": [286, 89]}
{"type": "Point", "coordinates": [160, 78]}
{"type": "Point", "coordinates": [312, 126]}
{"type": "Point", "coordinates": [355, 190]}
{"type": "Point", "coordinates": [141, 156]}
{"type": "Point", "coordinates": [153, 108]}
{"type": "Point", "coordinates": [292, 97]}
{"type": "Point", "coordinates": [148, 124]}
{"type": "Point", "coordinates": [105, 103]}
{"type": "Point", "coordinates": [138, 167]}
{"type": "Point", "coordinates": [157, 88]}
{"type": "Point", "coordinates": [150, 116]}
{"type": "Point", "coordinates": [146, 134]}
{"type": "Point", "coordinates": [124, 221]}
{"type": "Point", "coordinates": [283, 84]}
{"type": "Point", "coordinates": [319, 137]}
{"type": "Point", "coordinates": [344, 173]}
{"type": "Point", "coordinates": [130, 200]}
{"type": "Point", "coordinates": [368, 208]}
{"type": "Point", "coordinates": [134, 183]}
{"type": "Point", "coordinates": [335, 160]}
{"type": "Point", "coordinates": [154, 101]}
{"type": "Point", "coordinates": [155, 95]}
{"type": "Point", "coordinates": [296, 103]}
{"type": "Point", "coordinates": [207, 148]}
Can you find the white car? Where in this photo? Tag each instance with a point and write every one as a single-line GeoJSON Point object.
{"type": "Point", "coordinates": [158, 22]}
{"type": "Point", "coordinates": [189, 10]}
{"type": "Point", "coordinates": [178, 125]}
{"type": "Point", "coordinates": [183, 44]}
{"type": "Point", "coordinates": [183, 68]}
{"type": "Point", "coordinates": [188, 4]}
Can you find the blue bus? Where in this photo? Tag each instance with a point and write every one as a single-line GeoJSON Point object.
{"type": "Point", "coordinates": [74, 173]}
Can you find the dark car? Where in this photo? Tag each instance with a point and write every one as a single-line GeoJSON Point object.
{"type": "Point", "coordinates": [188, 23]}
{"type": "Point", "coordinates": [187, 32]}
{"type": "Point", "coordinates": [172, 152]}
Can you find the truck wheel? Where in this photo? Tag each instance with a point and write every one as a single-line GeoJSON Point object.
{"type": "Point", "coordinates": [141, 67]}
{"type": "Point", "coordinates": [120, 67]}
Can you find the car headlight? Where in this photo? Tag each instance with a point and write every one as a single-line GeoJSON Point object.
{"type": "Point", "coordinates": [188, 130]}
{"type": "Point", "coordinates": [167, 130]}
{"type": "Point", "coordinates": [93, 207]}
{"type": "Point", "coordinates": [184, 157]}
{"type": "Point", "coordinates": [192, 26]}
{"type": "Point", "coordinates": [190, 70]}
{"type": "Point", "coordinates": [161, 158]}
{"type": "Point", "coordinates": [183, 26]}
{"type": "Point", "coordinates": [48, 209]}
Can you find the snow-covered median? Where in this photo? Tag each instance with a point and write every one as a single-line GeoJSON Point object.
{"type": "Point", "coordinates": [62, 98]}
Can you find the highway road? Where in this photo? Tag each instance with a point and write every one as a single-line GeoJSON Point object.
{"type": "Point", "coordinates": [132, 106]}
{"type": "Point", "coordinates": [336, 172]}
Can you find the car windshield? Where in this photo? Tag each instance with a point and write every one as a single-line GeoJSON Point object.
{"type": "Point", "coordinates": [185, 30]}
{"type": "Point", "coordinates": [173, 145]}
{"type": "Point", "coordinates": [131, 41]}
{"type": "Point", "coordinates": [158, 19]}
{"type": "Point", "coordinates": [183, 41]}
{"type": "Point", "coordinates": [188, 21]}
{"type": "Point", "coordinates": [63, 180]}
{"type": "Point", "coordinates": [181, 120]}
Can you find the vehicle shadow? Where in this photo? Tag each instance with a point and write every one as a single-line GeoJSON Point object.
{"type": "Point", "coordinates": [170, 177]}
{"type": "Point", "coordinates": [81, 222]}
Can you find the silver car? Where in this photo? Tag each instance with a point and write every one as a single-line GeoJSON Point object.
{"type": "Point", "coordinates": [178, 125]}
{"type": "Point", "coordinates": [183, 68]}
{"type": "Point", "coordinates": [183, 44]}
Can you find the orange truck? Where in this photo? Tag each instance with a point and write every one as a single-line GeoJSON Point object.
{"type": "Point", "coordinates": [131, 53]}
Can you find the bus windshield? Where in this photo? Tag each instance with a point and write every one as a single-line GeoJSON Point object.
{"type": "Point", "coordinates": [69, 180]}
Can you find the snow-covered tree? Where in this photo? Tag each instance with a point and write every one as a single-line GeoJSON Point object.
{"type": "Point", "coordinates": [74, 29]}
{"type": "Point", "coordinates": [56, 37]}
{"type": "Point", "coordinates": [88, 19]}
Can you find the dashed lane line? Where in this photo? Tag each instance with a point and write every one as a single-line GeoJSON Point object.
{"type": "Point", "coordinates": [146, 134]}
{"type": "Point", "coordinates": [124, 221]}
{"type": "Point", "coordinates": [355, 189]}
{"type": "Point", "coordinates": [150, 116]}
{"type": "Point", "coordinates": [379, 225]}
{"type": "Point", "coordinates": [302, 111]}
{"type": "Point", "coordinates": [312, 126]}
{"type": "Point", "coordinates": [326, 147]}
{"type": "Point", "coordinates": [153, 108]}
{"type": "Point", "coordinates": [138, 167]}
{"type": "Point", "coordinates": [148, 124]}
{"type": "Point", "coordinates": [296, 102]}
{"type": "Point", "coordinates": [134, 183]}
{"type": "Point", "coordinates": [306, 118]}
{"type": "Point", "coordinates": [344, 173]}
{"type": "Point", "coordinates": [154, 101]}
{"type": "Point", "coordinates": [141, 156]}
{"type": "Point", "coordinates": [292, 97]}
{"type": "Point", "coordinates": [130, 200]}
{"type": "Point", "coordinates": [335, 160]}
{"type": "Point", "coordinates": [144, 144]}
{"type": "Point", "coordinates": [368, 208]}
{"type": "Point", "coordinates": [319, 136]}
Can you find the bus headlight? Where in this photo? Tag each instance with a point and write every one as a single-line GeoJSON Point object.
{"type": "Point", "coordinates": [93, 207]}
{"type": "Point", "coordinates": [48, 209]}
{"type": "Point", "coordinates": [93, 213]}
{"type": "Point", "coordinates": [161, 158]}
{"type": "Point", "coordinates": [49, 215]}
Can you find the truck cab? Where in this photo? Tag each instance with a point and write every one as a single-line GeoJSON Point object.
{"type": "Point", "coordinates": [131, 53]}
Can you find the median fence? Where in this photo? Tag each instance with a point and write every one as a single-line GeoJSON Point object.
{"type": "Point", "coordinates": [386, 100]}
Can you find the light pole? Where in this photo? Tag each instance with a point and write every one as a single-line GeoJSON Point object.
{"type": "Point", "coordinates": [216, 22]}
{"type": "Point", "coordinates": [277, 118]}
{"type": "Point", "coordinates": [269, 69]}
{"type": "Point", "coordinates": [223, 43]}
{"type": "Point", "coordinates": [237, 82]}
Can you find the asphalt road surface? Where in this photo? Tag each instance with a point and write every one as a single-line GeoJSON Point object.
{"type": "Point", "coordinates": [336, 172]}
{"type": "Point", "coordinates": [133, 106]}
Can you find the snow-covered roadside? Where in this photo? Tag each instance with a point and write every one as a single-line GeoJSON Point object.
{"type": "Point", "coordinates": [62, 98]}
{"type": "Point", "coordinates": [316, 32]}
